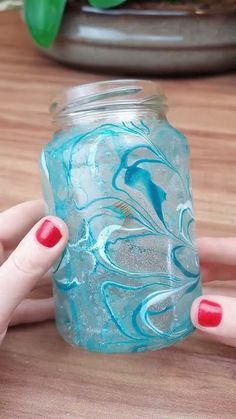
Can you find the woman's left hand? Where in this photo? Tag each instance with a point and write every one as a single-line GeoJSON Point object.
{"type": "Point", "coordinates": [29, 246]}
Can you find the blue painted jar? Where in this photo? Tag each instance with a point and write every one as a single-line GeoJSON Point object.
{"type": "Point", "coordinates": [118, 174]}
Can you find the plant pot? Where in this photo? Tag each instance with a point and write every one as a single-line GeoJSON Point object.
{"type": "Point", "coordinates": [170, 41]}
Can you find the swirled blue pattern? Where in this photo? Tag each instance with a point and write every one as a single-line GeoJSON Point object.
{"type": "Point", "coordinates": [129, 274]}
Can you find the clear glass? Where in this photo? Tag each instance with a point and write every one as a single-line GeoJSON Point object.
{"type": "Point", "coordinates": [118, 174]}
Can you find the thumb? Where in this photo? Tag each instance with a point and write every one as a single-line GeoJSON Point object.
{"type": "Point", "coordinates": [216, 316]}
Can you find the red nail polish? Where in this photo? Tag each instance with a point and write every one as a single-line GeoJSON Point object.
{"type": "Point", "coordinates": [48, 234]}
{"type": "Point", "coordinates": [209, 313]}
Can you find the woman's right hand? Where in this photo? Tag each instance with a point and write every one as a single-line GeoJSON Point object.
{"type": "Point", "coordinates": [215, 315]}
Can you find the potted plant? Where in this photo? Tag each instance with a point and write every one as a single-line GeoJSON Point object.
{"type": "Point", "coordinates": [137, 36]}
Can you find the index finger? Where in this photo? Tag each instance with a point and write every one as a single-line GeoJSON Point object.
{"type": "Point", "coordinates": [15, 222]}
{"type": "Point", "coordinates": [32, 258]}
{"type": "Point", "coordinates": [219, 250]}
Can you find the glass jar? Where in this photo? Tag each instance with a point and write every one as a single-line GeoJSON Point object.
{"type": "Point", "coordinates": [118, 174]}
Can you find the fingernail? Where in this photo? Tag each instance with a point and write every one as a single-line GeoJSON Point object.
{"type": "Point", "coordinates": [209, 313]}
{"type": "Point", "coordinates": [48, 234]}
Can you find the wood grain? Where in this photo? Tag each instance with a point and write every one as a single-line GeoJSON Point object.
{"type": "Point", "coordinates": [40, 375]}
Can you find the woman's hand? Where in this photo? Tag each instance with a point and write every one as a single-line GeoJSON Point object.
{"type": "Point", "coordinates": [27, 252]}
{"type": "Point", "coordinates": [213, 314]}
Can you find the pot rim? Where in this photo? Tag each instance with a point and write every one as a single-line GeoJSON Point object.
{"type": "Point", "coordinates": [154, 13]}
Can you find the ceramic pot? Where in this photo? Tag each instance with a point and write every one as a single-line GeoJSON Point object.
{"type": "Point", "coordinates": [147, 41]}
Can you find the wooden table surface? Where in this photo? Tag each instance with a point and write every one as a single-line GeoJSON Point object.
{"type": "Point", "coordinates": [40, 375]}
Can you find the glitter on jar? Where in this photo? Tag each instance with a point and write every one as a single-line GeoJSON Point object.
{"type": "Point", "coordinates": [118, 174]}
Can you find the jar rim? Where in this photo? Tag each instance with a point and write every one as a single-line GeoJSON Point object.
{"type": "Point", "coordinates": [107, 94]}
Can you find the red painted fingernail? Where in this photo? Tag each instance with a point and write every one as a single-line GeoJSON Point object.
{"type": "Point", "coordinates": [209, 313]}
{"type": "Point", "coordinates": [48, 234]}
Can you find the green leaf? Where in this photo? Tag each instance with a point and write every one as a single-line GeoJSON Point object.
{"type": "Point", "coordinates": [105, 4]}
{"type": "Point", "coordinates": [43, 19]}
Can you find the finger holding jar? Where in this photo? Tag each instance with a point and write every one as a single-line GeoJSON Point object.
{"type": "Point", "coordinates": [30, 245]}
{"type": "Point", "coordinates": [215, 315]}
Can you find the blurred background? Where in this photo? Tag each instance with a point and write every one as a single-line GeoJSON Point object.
{"type": "Point", "coordinates": [189, 48]}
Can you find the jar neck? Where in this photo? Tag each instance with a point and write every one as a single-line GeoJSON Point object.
{"type": "Point", "coordinates": [119, 99]}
